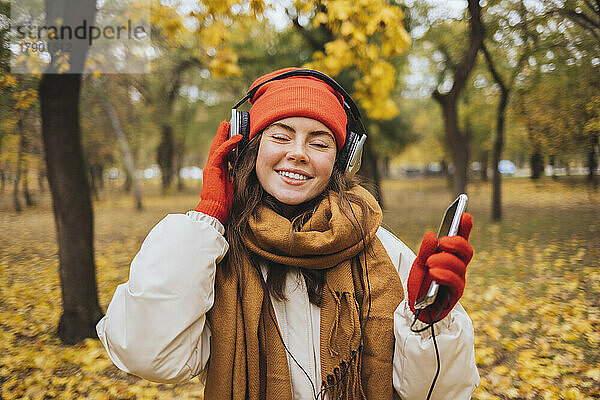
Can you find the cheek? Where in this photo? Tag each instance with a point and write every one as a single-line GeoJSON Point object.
{"type": "Point", "coordinates": [260, 166]}
{"type": "Point", "coordinates": [265, 160]}
{"type": "Point", "coordinates": [324, 166]}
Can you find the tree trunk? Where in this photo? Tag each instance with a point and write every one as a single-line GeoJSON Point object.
{"type": "Point", "coordinates": [128, 183]}
{"type": "Point", "coordinates": [499, 139]}
{"type": "Point", "coordinates": [552, 162]}
{"type": "Point", "coordinates": [127, 158]}
{"type": "Point", "coordinates": [592, 162]}
{"type": "Point", "coordinates": [2, 180]}
{"type": "Point", "coordinates": [21, 129]}
{"type": "Point", "coordinates": [68, 175]}
{"type": "Point", "coordinates": [166, 149]}
{"type": "Point", "coordinates": [179, 156]}
{"type": "Point", "coordinates": [26, 192]}
{"type": "Point", "coordinates": [536, 164]}
{"type": "Point", "coordinates": [483, 173]}
{"type": "Point", "coordinates": [456, 140]}
{"type": "Point", "coordinates": [498, 146]}
{"type": "Point", "coordinates": [93, 183]}
{"type": "Point", "coordinates": [446, 174]}
{"type": "Point", "coordinates": [24, 162]}
{"type": "Point", "coordinates": [386, 167]}
{"type": "Point", "coordinates": [41, 178]}
{"type": "Point", "coordinates": [165, 156]}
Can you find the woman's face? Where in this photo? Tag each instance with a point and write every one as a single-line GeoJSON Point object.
{"type": "Point", "coordinates": [295, 159]}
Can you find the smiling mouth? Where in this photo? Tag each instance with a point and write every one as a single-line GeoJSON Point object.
{"type": "Point", "coordinates": [293, 175]}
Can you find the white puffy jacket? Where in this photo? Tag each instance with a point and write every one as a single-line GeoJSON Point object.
{"type": "Point", "coordinates": [155, 326]}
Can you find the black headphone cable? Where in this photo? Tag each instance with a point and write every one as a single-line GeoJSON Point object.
{"type": "Point", "coordinates": [288, 351]}
{"type": "Point", "coordinates": [430, 326]}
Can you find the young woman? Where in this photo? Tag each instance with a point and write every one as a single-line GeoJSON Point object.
{"type": "Point", "coordinates": [282, 284]}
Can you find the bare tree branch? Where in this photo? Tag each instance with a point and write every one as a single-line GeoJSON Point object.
{"type": "Point", "coordinates": [312, 41]}
{"type": "Point", "coordinates": [463, 69]}
{"type": "Point", "coordinates": [593, 6]}
{"type": "Point", "coordinates": [177, 73]}
{"type": "Point", "coordinates": [492, 68]}
{"type": "Point", "coordinates": [586, 23]}
{"type": "Point", "coordinates": [584, 20]}
{"type": "Point", "coordinates": [449, 61]}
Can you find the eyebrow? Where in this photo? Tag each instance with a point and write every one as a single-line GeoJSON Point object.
{"type": "Point", "coordinates": [290, 129]}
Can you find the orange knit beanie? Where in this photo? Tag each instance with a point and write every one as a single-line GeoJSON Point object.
{"type": "Point", "coordinates": [297, 96]}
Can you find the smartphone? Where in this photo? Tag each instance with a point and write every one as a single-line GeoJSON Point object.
{"type": "Point", "coordinates": [234, 124]}
{"type": "Point", "coordinates": [448, 227]}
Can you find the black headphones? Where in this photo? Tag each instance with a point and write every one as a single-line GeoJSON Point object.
{"type": "Point", "coordinates": [349, 156]}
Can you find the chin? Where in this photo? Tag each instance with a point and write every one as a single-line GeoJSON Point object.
{"type": "Point", "coordinates": [291, 197]}
{"type": "Point", "coordinates": [292, 200]}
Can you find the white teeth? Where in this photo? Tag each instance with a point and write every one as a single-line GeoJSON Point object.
{"type": "Point", "coordinates": [292, 175]}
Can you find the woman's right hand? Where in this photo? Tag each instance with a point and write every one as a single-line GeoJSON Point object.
{"type": "Point", "coordinates": [217, 189]}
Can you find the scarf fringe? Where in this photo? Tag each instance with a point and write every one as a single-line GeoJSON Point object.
{"type": "Point", "coordinates": [348, 388]}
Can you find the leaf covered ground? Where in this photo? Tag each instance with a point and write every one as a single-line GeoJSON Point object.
{"type": "Point", "coordinates": [533, 290]}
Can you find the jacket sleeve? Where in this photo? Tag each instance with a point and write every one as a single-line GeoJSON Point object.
{"type": "Point", "coordinates": [414, 353]}
{"type": "Point", "coordinates": [155, 325]}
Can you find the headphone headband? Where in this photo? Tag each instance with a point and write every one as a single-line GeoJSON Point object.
{"type": "Point", "coordinates": [348, 102]}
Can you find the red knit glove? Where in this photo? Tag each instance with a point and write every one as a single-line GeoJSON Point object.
{"type": "Point", "coordinates": [446, 263]}
{"type": "Point", "coordinates": [217, 189]}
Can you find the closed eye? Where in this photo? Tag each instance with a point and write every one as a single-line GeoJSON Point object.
{"type": "Point", "coordinates": [279, 137]}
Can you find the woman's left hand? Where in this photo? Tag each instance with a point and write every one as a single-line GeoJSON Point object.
{"type": "Point", "coordinates": [445, 261]}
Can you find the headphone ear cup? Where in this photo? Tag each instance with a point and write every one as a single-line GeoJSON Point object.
{"type": "Point", "coordinates": [243, 128]}
{"type": "Point", "coordinates": [343, 156]}
{"type": "Point", "coordinates": [244, 124]}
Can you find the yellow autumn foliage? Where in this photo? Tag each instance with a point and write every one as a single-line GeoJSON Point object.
{"type": "Point", "coordinates": [24, 98]}
{"type": "Point", "coordinates": [9, 144]}
{"type": "Point", "coordinates": [368, 34]}
{"type": "Point", "coordinates": [592, 126]}
{"type": "Point", "coordinates": [224, 64]}
{"type": "Point", "coordinates": [7, 80]}
{"type": "Point", "coordinates": [169, 23]}
{"type": "Point", "coordinates": [532, 291]}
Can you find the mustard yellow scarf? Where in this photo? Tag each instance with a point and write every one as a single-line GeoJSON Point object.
{"type": "Point", "coordinates": [248, 360]}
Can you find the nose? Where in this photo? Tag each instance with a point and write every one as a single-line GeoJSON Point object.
{"type": "Point", "coordinates": [297, 153]}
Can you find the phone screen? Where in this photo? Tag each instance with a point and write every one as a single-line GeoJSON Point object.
{"type": "Point", "coordinates": [451, 220]}
{"type": "Point", "coordinates": [447, 221]}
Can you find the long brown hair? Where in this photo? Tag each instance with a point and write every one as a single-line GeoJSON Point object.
{"type": "Point", "coordinates": [248, 195]}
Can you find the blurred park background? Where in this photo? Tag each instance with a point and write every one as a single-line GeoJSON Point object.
{"type": "Point", "coordinates": [498, 99]}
